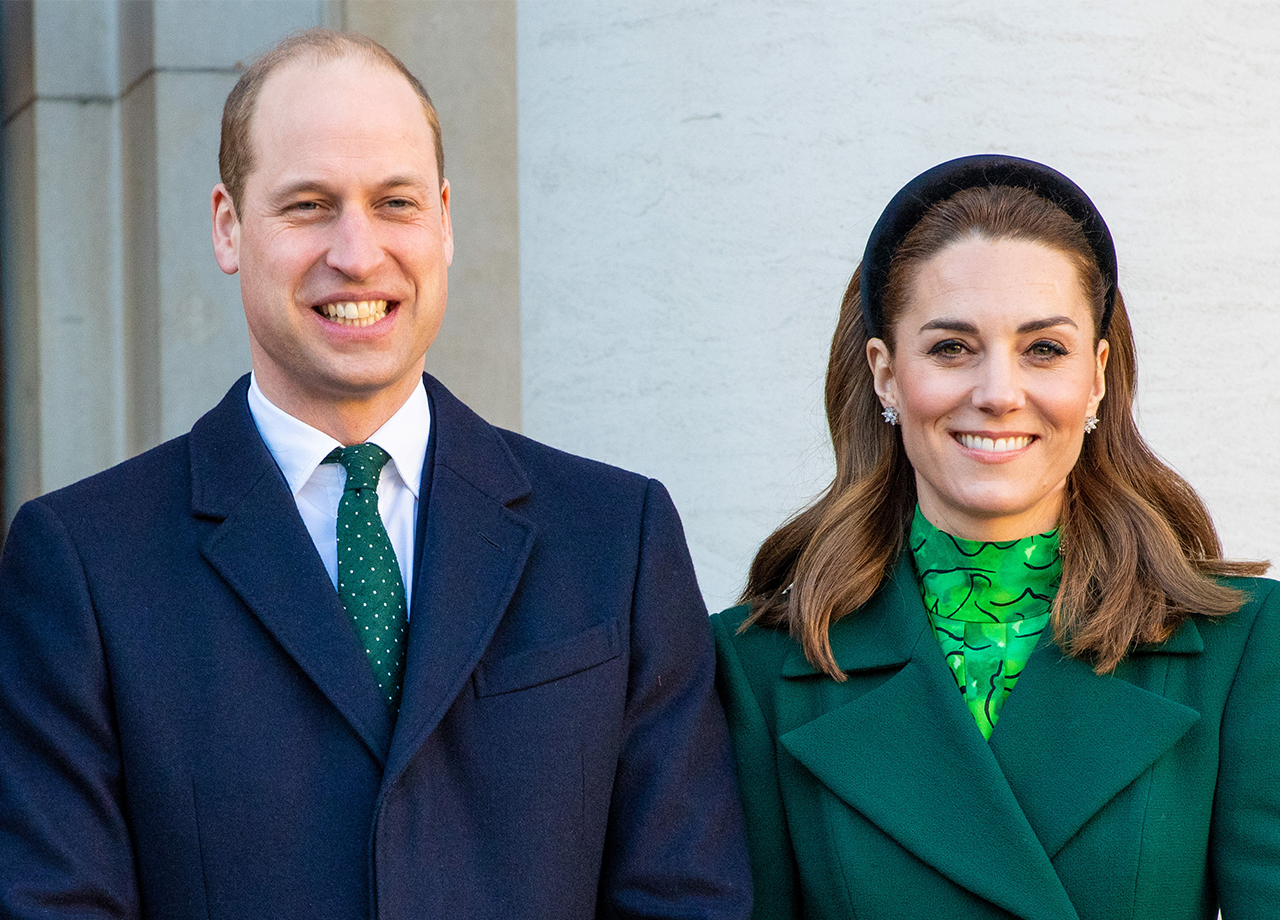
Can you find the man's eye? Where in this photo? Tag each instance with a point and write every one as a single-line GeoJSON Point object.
{"type": "Point", "coordinates": [399, 203]}
{"type": "Point", "coordinates": [306, 206]}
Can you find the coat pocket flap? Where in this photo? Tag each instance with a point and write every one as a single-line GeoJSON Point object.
{"type": "Point", "coordinates": [591, 647]}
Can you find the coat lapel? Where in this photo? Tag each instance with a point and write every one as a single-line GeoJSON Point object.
{"type": "Point", "coordinates": [1047, 739]}
{"type": "Point", "coordinates": [473, 552]}
{"type": "Point", "coordinates": [905, 753]}
{"type": "Point", "coordinates": [263, 551]}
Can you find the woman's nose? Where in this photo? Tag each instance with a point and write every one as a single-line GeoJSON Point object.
{"type": "Point", "coordinates": [998, 389]}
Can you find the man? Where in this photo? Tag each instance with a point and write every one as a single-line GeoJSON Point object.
{"type": "Point", "coordinates": [345, 650]}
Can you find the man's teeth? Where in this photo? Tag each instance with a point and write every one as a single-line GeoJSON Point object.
{"type": "Point", "coordinates": [355, 313]}
{"type": "Point", "coordinates": [994, 445]}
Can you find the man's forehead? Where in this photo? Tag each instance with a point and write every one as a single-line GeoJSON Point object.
{"type": "Point", "coordinates": [310, 79]}
{"type": "Point", "coordinates": [336, 91]}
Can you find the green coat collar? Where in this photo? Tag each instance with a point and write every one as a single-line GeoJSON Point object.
{"type": "Point", "coordinates": [906, 754]}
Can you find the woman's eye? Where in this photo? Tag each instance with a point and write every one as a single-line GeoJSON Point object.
{"type": "Point", "coordinates": [1047, 350]}
{"type": "Point", "coordinates": [950, 348]}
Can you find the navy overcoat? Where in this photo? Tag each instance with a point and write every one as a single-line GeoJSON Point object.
{"type": "Point", "coordinates": [189, 727]}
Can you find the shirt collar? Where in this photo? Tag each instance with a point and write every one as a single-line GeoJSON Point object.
{"type": "Point", "coordinates": [404, 436]}
{"type": "Point", "coordinates": [299, 448]}
{"type": "Point", "coordinates": [982, 581]}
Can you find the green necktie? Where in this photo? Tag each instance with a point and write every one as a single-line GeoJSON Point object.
{"type": "Point", "coordinates": [369, 581]}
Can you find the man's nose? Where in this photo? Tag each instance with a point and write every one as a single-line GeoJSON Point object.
{"type": "Point", "coordinates": [998, 389]}
{"type": "Point", "coordinates": [355, 249]}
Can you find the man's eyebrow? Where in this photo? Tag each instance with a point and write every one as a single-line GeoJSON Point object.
{"type": "Point", "coordinates": [301, 187]}
{"type": "Point", "coordinates": [402, 180]}
{"type": "Point", "coordinates": [316, 187]}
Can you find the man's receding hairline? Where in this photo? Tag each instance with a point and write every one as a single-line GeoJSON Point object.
{"type": "Point", "coordinates": [238, 155]}
{"type": "Point", "coordinates": [318, 56]}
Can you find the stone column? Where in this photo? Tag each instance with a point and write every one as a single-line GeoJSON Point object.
{"type": "Point", "coordinates": [119, 330]}
{"type": "Point", "coordinates": [65, 73]}
{"type": "Point", "coordinates": [465, 55]}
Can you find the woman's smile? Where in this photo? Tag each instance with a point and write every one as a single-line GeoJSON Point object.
{"type": "Point", "coordinates": [994, 447]}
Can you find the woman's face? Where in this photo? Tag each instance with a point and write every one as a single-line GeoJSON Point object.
{"type": "Point", "coordinates": [993, 374]}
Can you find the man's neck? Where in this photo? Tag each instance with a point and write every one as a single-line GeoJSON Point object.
{"type": "Point", "coordinates": [348, 421]}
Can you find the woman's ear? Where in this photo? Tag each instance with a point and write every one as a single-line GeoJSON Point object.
{"type": "Point", "coordinates": [881, 362]}
{"type": "Point", "coordinates": [1099, 376]}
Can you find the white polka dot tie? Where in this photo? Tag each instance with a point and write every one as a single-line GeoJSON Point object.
{"type": "Point", "coordinates": [368, 575]}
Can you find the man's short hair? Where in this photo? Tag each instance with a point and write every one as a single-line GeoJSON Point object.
{"type": "Point", "coordinates": [235, 155]}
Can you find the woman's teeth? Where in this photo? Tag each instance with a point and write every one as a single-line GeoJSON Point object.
{"type": "Point", "coordinates": [355, 313]}
{"type": "Point", "coordinates": [993, 445]}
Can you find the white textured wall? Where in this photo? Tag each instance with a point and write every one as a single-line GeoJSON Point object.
{"type": "Point", "coordinates": [697, 181]}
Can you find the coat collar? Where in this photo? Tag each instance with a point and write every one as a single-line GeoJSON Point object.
{"type": "Point", "coordinates": [902, 749]}
{"type": "Point", "coordinates": [262, 549]}
{"type": "Point", "coordinates": [471, 550]}
{"type": "Point", "coordinates": [883, 634]}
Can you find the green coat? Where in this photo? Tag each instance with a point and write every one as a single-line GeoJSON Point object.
{"type": "Point", "coordinates": [1151, 794]}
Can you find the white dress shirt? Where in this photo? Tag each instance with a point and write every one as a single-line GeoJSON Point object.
{"type": "Point", "coordinates": [299, 451]}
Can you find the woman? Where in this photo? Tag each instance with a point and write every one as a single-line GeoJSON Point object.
{"type": "Point", "coordinates": [1000, 668]}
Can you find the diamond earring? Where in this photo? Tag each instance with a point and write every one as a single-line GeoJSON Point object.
{"type": "Point", "coordinates": [890, 415]}
{"type": "Point", "coordinates": [1090, 423]}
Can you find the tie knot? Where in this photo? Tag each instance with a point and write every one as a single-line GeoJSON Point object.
{"type": "Point", "coordinates": [363, 463]}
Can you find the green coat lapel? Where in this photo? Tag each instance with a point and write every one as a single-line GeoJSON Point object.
{"type": "Point", "coordinates": [1047, 741]}
{"type": "Point", "coordinates": [904, 752]}
{"type": "Point", "coordinates": [896, 743]}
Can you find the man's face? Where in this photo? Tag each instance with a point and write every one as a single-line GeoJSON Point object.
{"type": "Point", "coordinates": [342, 239]}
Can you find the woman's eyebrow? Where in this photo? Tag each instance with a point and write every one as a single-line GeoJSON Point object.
{"type": "Point", "coordinates": [950, 325]}
{"type": "Point", "coordinates": [958, 325]}
{"type": "Point", "coordinates": [1036, 325]}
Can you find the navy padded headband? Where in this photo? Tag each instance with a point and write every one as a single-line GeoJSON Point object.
{"type": "Point", "coordinates": [941, 182]}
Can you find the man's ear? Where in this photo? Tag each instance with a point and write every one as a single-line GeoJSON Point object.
{"type": "Point", "coordinates": [446, 223]}
{"type": "Point", "coordinates": [226, 230]}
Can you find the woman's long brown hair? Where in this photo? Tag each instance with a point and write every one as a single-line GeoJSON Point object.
{"type": "Point", "coordinates": [1139, 550]}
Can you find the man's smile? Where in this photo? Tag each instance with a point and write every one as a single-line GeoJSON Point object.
{"type": "Point", "coordinates": [354, 312]}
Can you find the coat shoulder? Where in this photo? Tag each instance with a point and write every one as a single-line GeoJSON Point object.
{"type": "Point", "coordinates": [761, 648]}
{"type": "Point", "coordinates": [135, 487]}
{"type": "Point", "coordinates": [1260, 595]}
{"type": "Point", "coordinates": [1226, 637]}
{"type": "Point", "coordinates": [550, 465]}
{"type": "Point", "coordinates": [750, 659]}
{"type": "Point", "coordinates": [1225, 640]}
{"type": "Point", "coordinates": [496, 459]}
{"type": "Point", "coordinates": [586, 496]}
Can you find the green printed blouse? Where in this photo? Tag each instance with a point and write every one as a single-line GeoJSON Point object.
{"type": "Point", "coordinates": [988, 604]}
